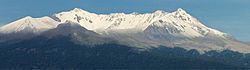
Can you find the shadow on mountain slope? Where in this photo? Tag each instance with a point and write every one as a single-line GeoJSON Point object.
{"type": "Point", "coordinates": [61, 53]}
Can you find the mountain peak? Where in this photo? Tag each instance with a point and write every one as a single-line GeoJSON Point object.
{"type": "Point", "coordinates": [79, 10]}
{"type": "Point", "coordinates": [27, 17]}
{"type": "Point", "coordinates": [183, 15]}
{"type": "Point", "coordinates": [180, 9]}
{"type": "Point", "coordinates": [29, 24]}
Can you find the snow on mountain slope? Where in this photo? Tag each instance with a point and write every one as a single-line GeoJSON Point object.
{"type": "Point", "coordinates": [29, 24]}
{"type": "Point", "coordinates": [172, 29]}
{"type": "Point", "coordinates": [88, 20]}
{"type": "Point", "coordinates": [107, 21]}
{"type": "Point", "coordinates": [176, 23]}
{"type": "Point", "coordinates": [153, 29]}
{"type": "Point", "coordinates": [79, 34]}
{"type": "Point", "coordinates": [179, 21]}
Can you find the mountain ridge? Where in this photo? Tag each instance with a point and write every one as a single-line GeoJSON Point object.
{"type": "Point", "coordinates": [145, 31]}
{"type": "Point", "coordinates": [76, 18]}
{"type": "Point", "coordinates": [29, 23]}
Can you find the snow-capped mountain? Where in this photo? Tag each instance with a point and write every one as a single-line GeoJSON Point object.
{"type": "Point", "coordinates": [179, 21]}
{"type": "Point", "coordinates": [29, 24]}
{"type": "Point", "coordinates": [172, 29]}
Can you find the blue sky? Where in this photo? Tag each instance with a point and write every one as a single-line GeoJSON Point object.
{"type": "Point", "coordinates": [230, 16]}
